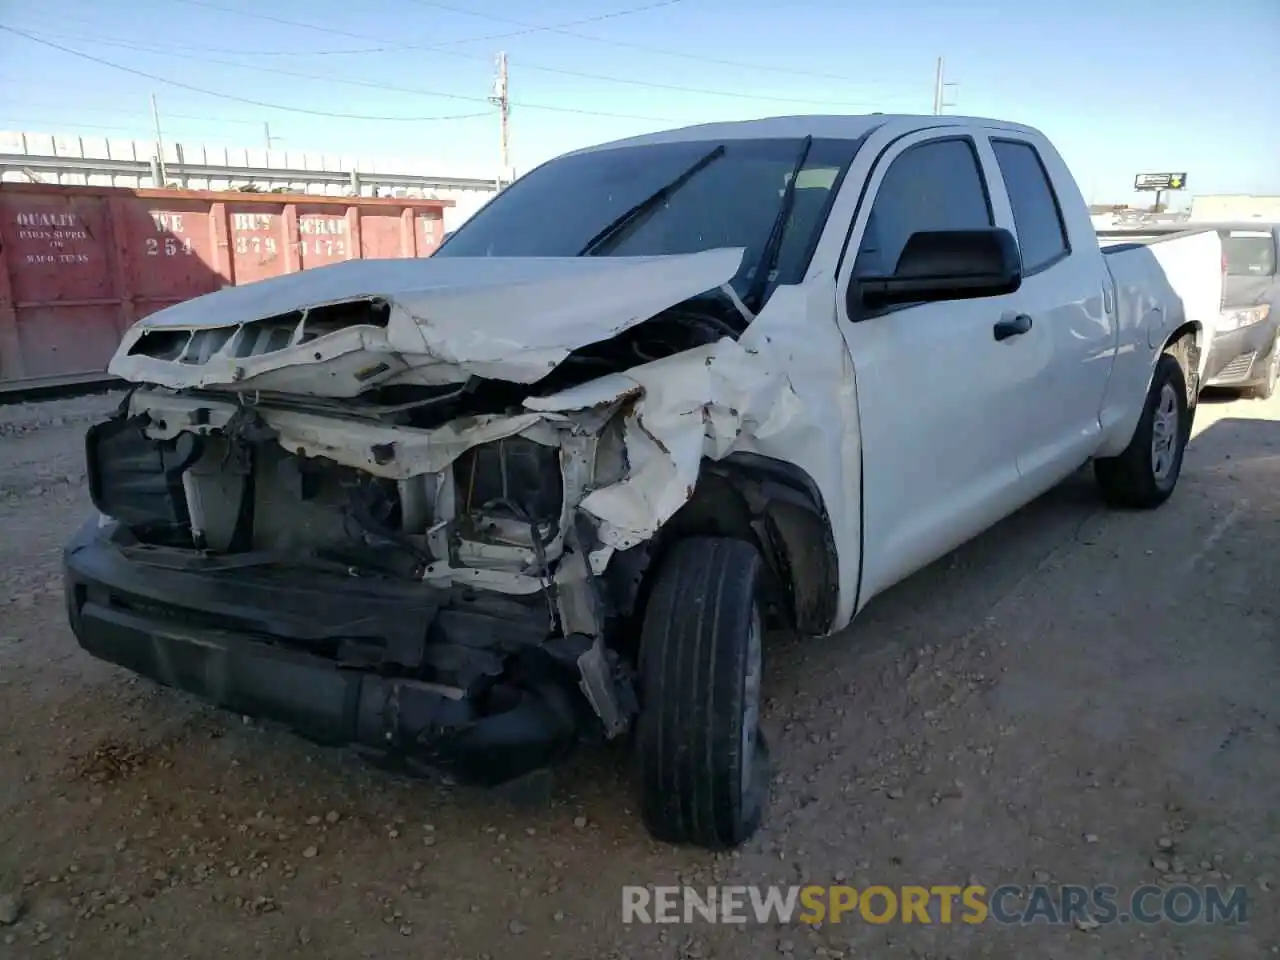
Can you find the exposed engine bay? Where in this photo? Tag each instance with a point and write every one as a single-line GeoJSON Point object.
{"type": "Point", "coordinates": [504, 505]}
{"type": "Point", "coordinates": [246, 478]}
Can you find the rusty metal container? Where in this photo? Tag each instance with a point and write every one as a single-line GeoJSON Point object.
{"type": "Point", "coordinates": [78, 265]}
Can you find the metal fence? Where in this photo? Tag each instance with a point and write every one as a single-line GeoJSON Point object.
{"type": "Point", "coordinates": [112, 162]}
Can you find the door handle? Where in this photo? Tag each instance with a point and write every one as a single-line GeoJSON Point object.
{"type": "Point", "coordinates": [1014, 326]}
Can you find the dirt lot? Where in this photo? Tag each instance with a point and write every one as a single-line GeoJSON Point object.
{"type": "Point", "coordinates": [1048, 704]}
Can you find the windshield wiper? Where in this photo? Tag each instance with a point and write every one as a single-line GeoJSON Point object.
{"type": "Point", "coordinates": [647, 204]}
{"type": "Point", "coordinates": [773, 246]}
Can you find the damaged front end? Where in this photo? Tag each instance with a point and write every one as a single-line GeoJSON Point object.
{"type": "Point", "coordinates": [430, 554]}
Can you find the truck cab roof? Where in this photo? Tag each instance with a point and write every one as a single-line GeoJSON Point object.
{"type": "Point", "coordinates": [829, 126]}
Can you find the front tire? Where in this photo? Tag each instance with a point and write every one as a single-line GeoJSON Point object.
{"type": "Point", "coordinates": [1144, 475]}
{"type": "Point", "coordinates": [703, 763]}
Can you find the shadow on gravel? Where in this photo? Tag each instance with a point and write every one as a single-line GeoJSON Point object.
{"type": "Point", "coordinates": [1252, 441]}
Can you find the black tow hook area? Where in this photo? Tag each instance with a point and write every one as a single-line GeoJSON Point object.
{"type": "Point", "coordinates": [407, 722]}
{"type": "Point", "coordinates": [506, 734]}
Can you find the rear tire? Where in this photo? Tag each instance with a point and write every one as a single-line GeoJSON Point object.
{"type": "Point", "coordinates": [703, 763]}
{"type": "Point", "coordinates": [1144, 475]}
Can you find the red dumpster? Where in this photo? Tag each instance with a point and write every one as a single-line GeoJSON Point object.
{"type": "Point", "coordinates": [78, 265]}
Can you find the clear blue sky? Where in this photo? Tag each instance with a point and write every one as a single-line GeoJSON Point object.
{"type": "Point", "coordinates": [1123, 87]}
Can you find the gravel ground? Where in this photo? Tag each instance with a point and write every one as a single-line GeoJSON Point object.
{"type": "Point", "coordinates": [1080, 696]}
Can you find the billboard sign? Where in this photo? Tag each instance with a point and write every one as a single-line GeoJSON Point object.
{"type": "Point", "coordinates": [1160, 181]}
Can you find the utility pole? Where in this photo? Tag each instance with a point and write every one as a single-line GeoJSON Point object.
{"type": "Point", "coordinates": [940, 84]}
{"type": "Point", "coordinates": [267, 137]}
{"type": "Point", "coordinates": [503, 102]}
{"type": "Point", "coordinates": [155, 116]}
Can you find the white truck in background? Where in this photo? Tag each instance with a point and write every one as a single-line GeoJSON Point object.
{"type": "Point", "coordinates": [554, 481]}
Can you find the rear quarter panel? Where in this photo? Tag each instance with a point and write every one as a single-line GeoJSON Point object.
{"type": "Point", "coordinates": [1159, 286]}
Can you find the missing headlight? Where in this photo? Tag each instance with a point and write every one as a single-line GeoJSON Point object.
{"type": "Point", "coordinates": [137, 480]}
{"type": "Point", "coordinates": [516, 470]}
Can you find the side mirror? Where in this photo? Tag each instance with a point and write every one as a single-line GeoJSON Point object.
{"type": "Point", "coordinates": [944, 265]}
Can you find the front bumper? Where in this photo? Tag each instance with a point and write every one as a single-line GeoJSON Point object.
{"type": "Point", "coordinates": [340, 660]}
{"type": "Point", "coordinates": [1239, 358]}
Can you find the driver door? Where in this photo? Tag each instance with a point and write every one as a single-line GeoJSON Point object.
{"type": "Point", "coordinates": [938, 396]}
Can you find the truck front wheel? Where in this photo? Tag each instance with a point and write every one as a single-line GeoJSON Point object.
{"type": "Point", "coordinates": [703, 763]}
{"type": "Point", "coordinates": [1144, 475]}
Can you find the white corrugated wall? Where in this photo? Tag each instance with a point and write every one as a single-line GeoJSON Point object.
{"type": "Point", "coordinates": [1235, 206]}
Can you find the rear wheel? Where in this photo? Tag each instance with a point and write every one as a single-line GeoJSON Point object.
{"type": "Point", "coordinates": [1144, 475]}
{"type": "Point", "coordinates": [703, 763]}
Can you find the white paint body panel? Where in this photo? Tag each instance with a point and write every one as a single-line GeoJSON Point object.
{"type": "Point", "coordinates": [960, 430]}
{"type": "Point", "coordinates": [917, 424]}
{"type": "Point", "coordinates": [1173, 265]}
{"type": "Point", "coordinates": [1159, 287]}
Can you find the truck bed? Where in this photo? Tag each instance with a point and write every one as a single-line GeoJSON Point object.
{"type": "Point", "coordinates": [1178, 271]}
{"type": "Point", "coordinates": [1125, 237]}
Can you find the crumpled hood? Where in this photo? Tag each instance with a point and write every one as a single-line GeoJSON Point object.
{"type": "Point", "coordinates": [448, 319]}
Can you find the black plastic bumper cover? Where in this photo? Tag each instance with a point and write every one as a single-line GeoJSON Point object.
{"type": "Point", "coordinates": [1227, 345]}
{"type": "Point", "coordinates": [112, 602]}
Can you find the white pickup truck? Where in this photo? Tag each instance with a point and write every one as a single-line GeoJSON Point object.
{"type": "Point", "coordinates": [554, 481]}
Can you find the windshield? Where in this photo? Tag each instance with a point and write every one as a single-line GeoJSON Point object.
{"type": "Point", "coordinates": [1249, 253]}
{"type": "Point", "coordinates": [559, 208]}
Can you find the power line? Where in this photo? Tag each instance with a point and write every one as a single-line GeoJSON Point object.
{"type": "Point", "coordinates": [202, 118]}
{"type": "Point", "coordinates": [699, 57]}
{"type": "Point", "coordinates": [85, 126]}
{"type": "Point", "coordinates": [676, 88]}
{"type": "Point", "coordinates": [224, 96]}
{"type": "Point", "coordinates": [527, 28]}
{"type": "Point", "coordinates": [311, 76]}
{"type": "Point", "coordinates": [433, 45]}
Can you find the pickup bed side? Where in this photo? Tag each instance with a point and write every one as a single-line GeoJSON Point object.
{"type": "Point", "coordinates": [1240, 347]}
{"type": "Point", "coordinates": [1163, 287]}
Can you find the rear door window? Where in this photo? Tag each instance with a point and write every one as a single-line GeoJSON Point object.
{"type": "Point", "coordinates": [1042, 237]}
